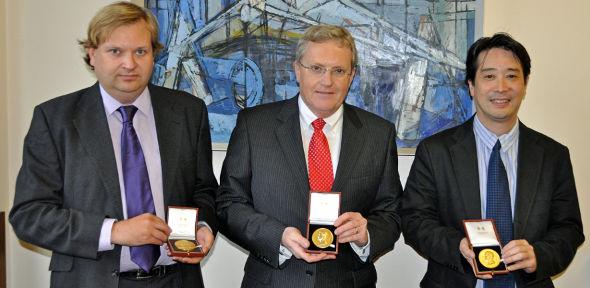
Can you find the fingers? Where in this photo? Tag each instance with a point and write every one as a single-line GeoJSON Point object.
{"type": "Point", "coordinates": [187, 260]}
{"type": "Point", "coordinates": [519, 254]}
{"type": "Point", "coordinates": [312, 257]}
{"type": "Point", "coordinates": [293, 240]}
{"type": "Point", "coordinates": [205, 238]}
{"type": "Point", "coordinates": [469, 255]}
{"type": "Point", "coordinates": [482, 276]}
{"type": "Point", "coordinates": [466, 250]}
{"type": "Point", "coordinates": [352, 227]}
{"type": "Point", "coordinates": [297, 244]}
{"type": "Point", "coordinates": [140, 230]}
{"type": "Point", "coordinates": [292, 236]}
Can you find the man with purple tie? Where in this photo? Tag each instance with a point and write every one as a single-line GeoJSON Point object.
{"type": "Point", "coordinates": [101, 165]}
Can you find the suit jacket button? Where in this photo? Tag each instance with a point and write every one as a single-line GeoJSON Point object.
{"type": "Point", "coordinates": [310, 273]}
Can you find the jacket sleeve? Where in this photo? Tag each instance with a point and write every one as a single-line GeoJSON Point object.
{"type": "Point", "coordinates": [39, 215]}
{"type": "Point", "coordinates": [422, 227]}
{"type": "Point", "coordinates": [257, 232]}
{"type": "Point", "coordinates": [383, 220]}
{"type": "Point", "coordinates": [557, 246]}
{"type": "Point", "coordinates": [206, 184]}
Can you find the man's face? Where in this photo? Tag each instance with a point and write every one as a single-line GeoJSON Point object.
{"type": "Point", "coordinates": [123, 63]}
{"type": "Point", "coordinates": [324, 94]}
{"type": "Point", "coordinates": [498, 89]}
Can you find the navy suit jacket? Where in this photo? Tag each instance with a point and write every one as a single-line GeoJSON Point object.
{"type": "Point", "coordinates": [443, 190]}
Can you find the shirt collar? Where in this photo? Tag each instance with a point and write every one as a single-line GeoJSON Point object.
{"type": "Point", "coordinates": [307, 116]}
{"type": "Point", "coordinates": [143, 102]}
{"type": "Point", "coordinates": [489, 138]}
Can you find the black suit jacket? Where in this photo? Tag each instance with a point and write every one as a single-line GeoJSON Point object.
{"type": "Point", "coordinates": [443, 189]}
{"type": "Point", "coordinates": [68, 183]}
{"type": "Point", "coordinates": [265, 188]}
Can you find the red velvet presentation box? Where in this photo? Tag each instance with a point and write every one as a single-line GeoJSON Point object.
{"type": "Point", "coordinates": [324, 209]}
{"type": "Point", "coordinates": [182, 241]}
{"type": "Point", "coordinates": [484, 239]}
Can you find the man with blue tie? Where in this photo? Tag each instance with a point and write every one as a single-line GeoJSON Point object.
{"type": "Point", "coordinates": [493, 167]}
{"type": "Point", "coordinates": [101, 165]}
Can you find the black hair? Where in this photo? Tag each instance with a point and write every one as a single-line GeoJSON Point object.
{"type": "Point", "coordinates": [499, 40]}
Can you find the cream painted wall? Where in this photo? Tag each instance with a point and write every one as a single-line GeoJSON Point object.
{"type": "Point", "coordinates": [556, 35]}
{"type": "Point", "coordinates": [4, 188]}
{"type": "Point", "coordinates": [43, 61]}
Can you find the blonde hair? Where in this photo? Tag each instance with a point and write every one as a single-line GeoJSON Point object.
{"type": "Point", "coordinates": [323, 33]}
{"type": "Point", "coordinates": [114, 16]}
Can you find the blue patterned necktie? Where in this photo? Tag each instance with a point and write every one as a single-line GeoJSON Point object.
{"type": "Point", "coordinates": [499, 208]}
{"type": "Point", "coordinates": [138, 192]}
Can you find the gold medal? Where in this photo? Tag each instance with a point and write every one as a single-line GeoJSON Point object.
{"type": "Point", "coordinates": [185, 245]}
{"type": "Point", "coordinates": [322, 238]}
{"type": "Point", "coordinates": [489, 258]}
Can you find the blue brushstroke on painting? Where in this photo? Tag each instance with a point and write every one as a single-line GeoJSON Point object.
{"type": "Point", "coordinates": [238, 53]}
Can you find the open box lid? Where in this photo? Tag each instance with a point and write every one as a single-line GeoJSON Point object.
{"type": "Point", "coordinates": [481, 232]}
{"type": "Point", "coordinates": [324, 207]}
{"type": "Point", "coordinates": [182, 221]}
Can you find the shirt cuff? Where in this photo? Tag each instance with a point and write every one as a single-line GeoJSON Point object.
{"type": "Point", "coordinates": [284, 254]}
{"type": "Point", "coordinates": [203, 223]}
{"type": "Point", "coordinates": [104, 242]}
{"type": "Point", "coordinates": [362, 252]}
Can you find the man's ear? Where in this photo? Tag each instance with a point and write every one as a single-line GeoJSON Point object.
{"type": "Point", "coordinates": [91, 54]}
{"type": "Point", "coordinates": [297, 70]}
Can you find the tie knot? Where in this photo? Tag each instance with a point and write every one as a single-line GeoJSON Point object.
{"type": "Point", "coordinates": [127, 113]}
{"type": "Point", "coordinates": [318, 124]}
{"type": "Point", "coordinates": [498, 146]}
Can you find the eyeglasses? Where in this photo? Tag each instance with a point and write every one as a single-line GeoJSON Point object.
{"type": "Point", "coordinates": [318, 70]}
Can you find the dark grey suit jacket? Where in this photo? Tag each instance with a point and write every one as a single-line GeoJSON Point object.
{"type": "Point", "coordinates": [265, 188]}
{"type": "Point", "coordinates": [443, 190]}
{"type": "Point", "coordinates": [68, 183]}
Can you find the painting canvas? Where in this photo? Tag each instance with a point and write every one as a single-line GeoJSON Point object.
{"type": "Point", "coordinates": [239, 53]}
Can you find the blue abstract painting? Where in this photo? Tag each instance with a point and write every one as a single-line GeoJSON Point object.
{"type": "Point", "coordinates": [238, 53]}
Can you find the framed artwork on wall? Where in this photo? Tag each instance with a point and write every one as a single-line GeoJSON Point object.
{"type": "Point", "coordinates": [239, 53]}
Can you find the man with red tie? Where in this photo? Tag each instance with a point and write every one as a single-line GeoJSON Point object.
{"type": "Point", "coordinates": [279, 152]}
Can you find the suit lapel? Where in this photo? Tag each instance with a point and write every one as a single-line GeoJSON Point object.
{"type": "Point", "coordinates": [91, 124]}
{"type": "Point", "coordinates": [464, 157]}
{"type": "Point", "coordinates": [351, 147]}
{"type": "Point", "coordinates": [530, 160]}
{"type": "Point", "coordinates": [288, 134]}
{"type": "Point", "coordinates": [167, 117]}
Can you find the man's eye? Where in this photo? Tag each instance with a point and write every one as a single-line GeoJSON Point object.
{"type": "Point", "coordinates": [489, 76]}
{"type": "Point", "coordinates": [317, 69]}
{"type": "Point", "coordinates": [339, 71]}
{"type": "Point", "coordinates": [141, 52]}
{"type": "Point", "coordinates": [114, 51]}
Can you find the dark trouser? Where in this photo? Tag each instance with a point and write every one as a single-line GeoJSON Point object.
{"type": "Point", "coordinates": [171, 279]}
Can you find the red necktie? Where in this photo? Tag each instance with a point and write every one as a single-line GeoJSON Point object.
{"type": "Point", "coordinates": [320, 162]}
